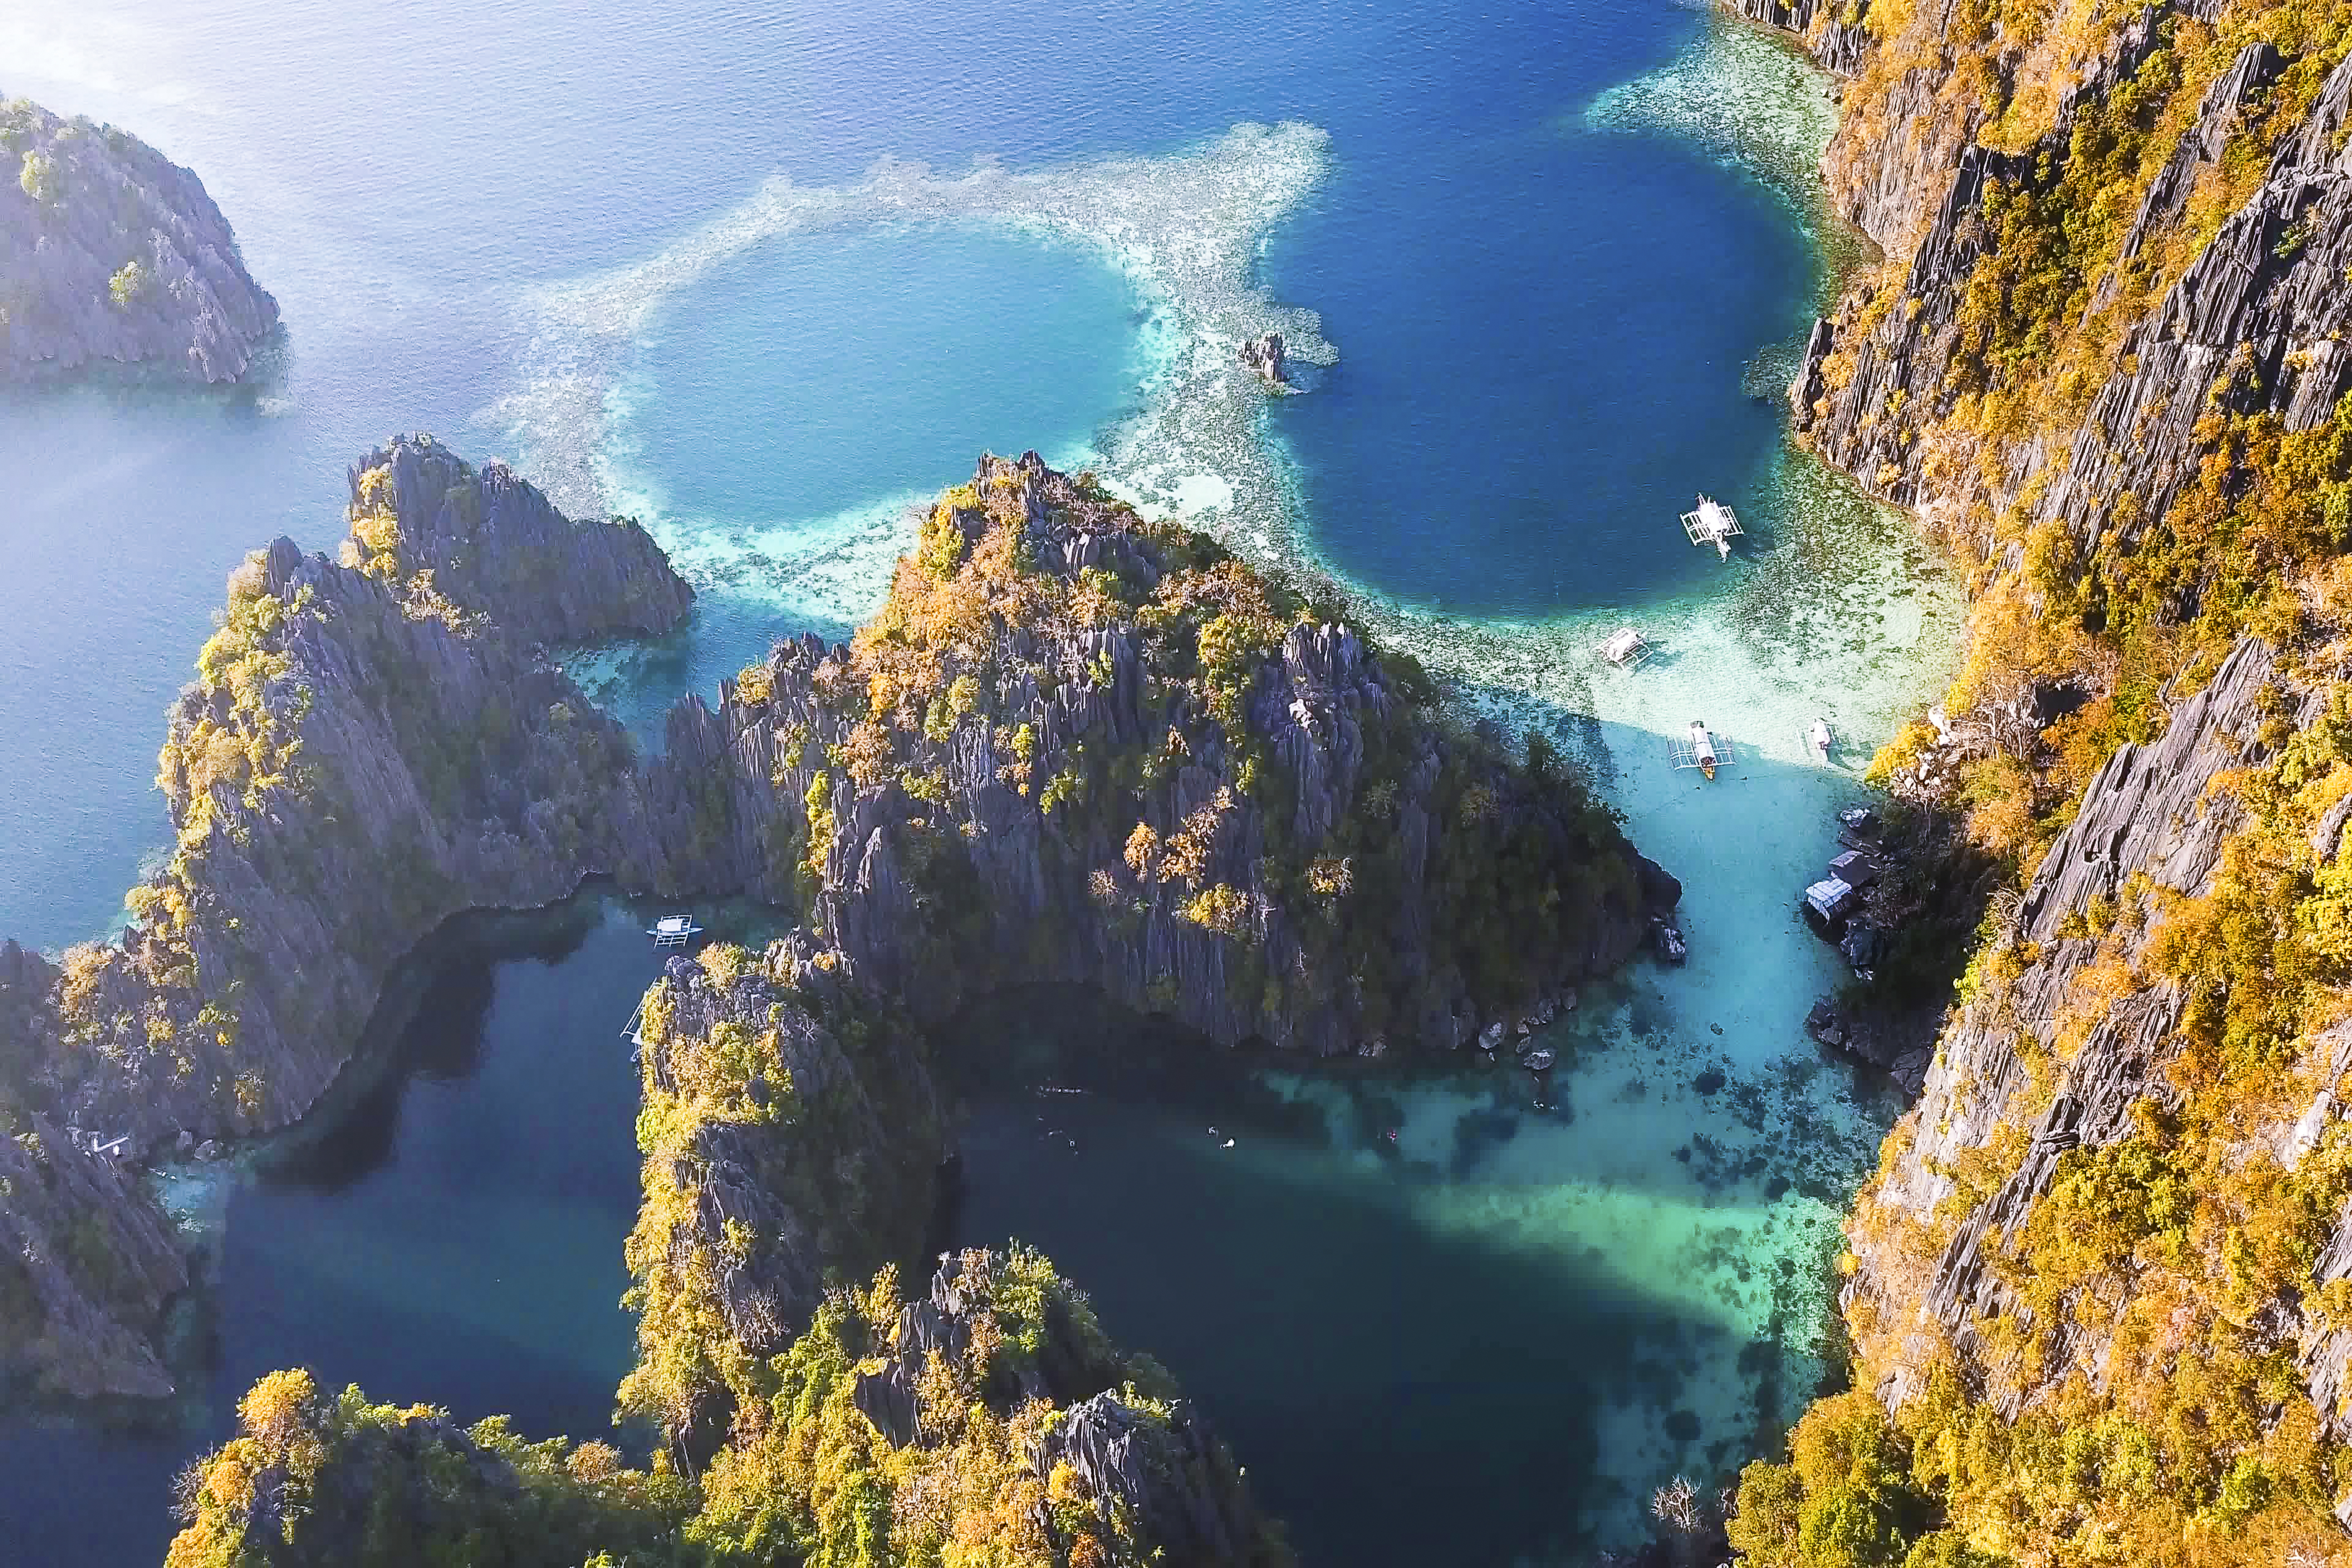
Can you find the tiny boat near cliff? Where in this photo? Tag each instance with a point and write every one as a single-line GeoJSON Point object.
{"type": "Point", "coordinates": [1712, 522]}
{"type": "Point", "coordinates": [1701, 748]}
{"type": "Point", "coordinates": [1626, 649]}
{"type": "Point", "coordinates": [673, 930]}
{"type": "Point", "coordinates": [1820, 737]}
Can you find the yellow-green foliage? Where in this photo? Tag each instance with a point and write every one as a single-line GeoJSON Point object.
{"type": "Point", "coordinates": [2175, 1255]}
{"type": "Point", "coordinates": [2041, 326]}
{"type": "Point", "coordinates": [311, 1479]}
{"type": "Point", "coordinates": [806, 1480]}
{"type": "Point", "coordinates": [845, 1177]}
{"type": "Point", "coordinates": [1843, 1500]}
{"type": "Point", "coordinates": [129, 281]}
{"type": "Point", "coordinates": [2176, 1250]}
{"type": "Point", "coordinates": [809, 1479]}
{"type": "Point", "coordinates": [38, 176]}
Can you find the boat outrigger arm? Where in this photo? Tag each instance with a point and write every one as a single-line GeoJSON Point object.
{"type": "Point", "coordinates": [1626, 649]}
{"type": "Point", "coordinates": [1701, 748]}
{"type": "Point", "coordinates": [1712, 522]}
{"type": "Point", "coordinates": [673, 930]}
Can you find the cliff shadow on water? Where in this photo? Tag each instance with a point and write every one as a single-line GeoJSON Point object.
{"type": "Point", "coordinates": [446, 1221]}
{"type": "Point", "coordinates": [449, 1220]}
{"type": "Point", "coordinates": [1539, 1296]}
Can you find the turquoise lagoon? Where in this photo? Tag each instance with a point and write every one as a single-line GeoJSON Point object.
{"type": "Point", "coordinates": [767, 278]}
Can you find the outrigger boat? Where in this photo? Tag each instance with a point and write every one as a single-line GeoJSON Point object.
{"type": "Point", "coordinates": [1711, 523]}
{"type": "Point", "coordinates": [1820, 737]}
{"type": "Point", "coordinates": [1626, 649]}
{"type": "Point", "coordinates": [1702, 749]}
{"type": "Point", "coordinates": [673, 930]}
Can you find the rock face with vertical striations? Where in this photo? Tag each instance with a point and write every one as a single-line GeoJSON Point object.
{"type": "Point", "coordinates": [86, 1261]}
{"type": "Point", "coordinates": [1832, 32]}
{"type": "Point", "coordinates": [111, 256]}
{"type": "Point", "coordinates": [365, 752]}
{"type": "Point", "coordinates": [2255, 322]}
{"type": "Point", "coordinates": [1079, 747]}
{"type": "Point", "coordinates": [2153, 824]}
{"type": "Point", "coordinates": [495, 548]}
{"type": "Point", "coordinates": [2108, 360]}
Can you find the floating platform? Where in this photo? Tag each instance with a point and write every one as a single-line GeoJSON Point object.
{"type": "Point", "coordinates": [1712, 522]}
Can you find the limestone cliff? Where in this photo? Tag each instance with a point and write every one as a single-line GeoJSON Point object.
{"type": "Point", "coordinates": [365, 752]}
{"type": "Point", "coordinates": [2105, 361]}
{"type": "Point", "coordinates": [86, 1261]}
{"type": "Point", "coordinates": [112, 255]}
{"type": "Point", "coordinates": [1080, 747]}
{"type": "Point", "coordinates": [1894, 389]}
{"type": "Point", "coordinates": [1077, 746]}
{"type": "Point", "coordinates": [988, 1418]}
{"type": "Point", "coordinates": [793, 1135]}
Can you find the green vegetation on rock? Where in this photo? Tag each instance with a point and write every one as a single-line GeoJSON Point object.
{"type": "Point", "coordinates": [971, 1458]}
{"type": "Point", "coordinates": [2097, 1297]}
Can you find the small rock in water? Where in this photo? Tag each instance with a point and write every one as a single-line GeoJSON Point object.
{"type": "Point", "coordinates": [1710, 1081]}
{"type": "Point", "coordinates": [1715, 1029]}
{"type": "Point", "coordinates": [1263, 355]}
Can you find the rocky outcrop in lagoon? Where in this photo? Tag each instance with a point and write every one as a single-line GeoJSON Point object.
{"type": "Point", "coordinates": [989, 1417]}
{"type": "Point", "coordinates": [365, 752]}
{"type": "Point", "coordinates": [111, 256]}
{"type": "Point", "coordinates": [1263, 355]}
{"type": "Point", "coordinates": [1076, 747]}
{"type": "Point", "coordinates": [1079, 747]}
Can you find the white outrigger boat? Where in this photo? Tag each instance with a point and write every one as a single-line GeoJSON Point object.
{"type": "Point", "coordinates": [1711, 523]}
{"type": "Point", "coordinates": [1702, 749]}
{"type": "Point", "coordinates": [1626, 649]}
{"type": "Point", "coordinates": [673, 930]}
{"type": "Point", "coordinates": [1820, 737]}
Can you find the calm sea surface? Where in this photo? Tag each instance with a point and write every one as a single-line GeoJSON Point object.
{"type": "Point", "coordinates": [654, 254]}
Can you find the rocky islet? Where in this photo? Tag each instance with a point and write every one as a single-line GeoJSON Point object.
{"type": "Point", "coordinates": [112, 257]}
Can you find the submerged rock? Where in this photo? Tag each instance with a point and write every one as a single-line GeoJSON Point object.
{"type": "Point", "coordinates": [112, 255]}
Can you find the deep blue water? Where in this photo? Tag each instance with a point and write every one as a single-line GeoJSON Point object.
{"type": "Point", "coordinates": [452, 1239]}
{"type": "Point", "coordinates": [1542, 326]}
{"type": "Point", "coordinates": [1543, 331]}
